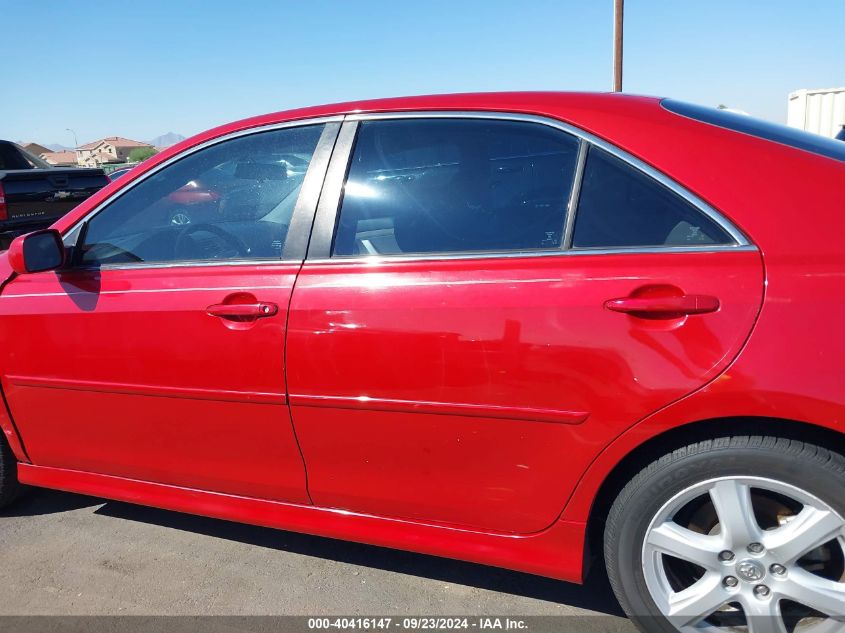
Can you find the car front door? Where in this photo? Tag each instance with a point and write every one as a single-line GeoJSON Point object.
{"type": "Point", "coordinates": [158, 354]}
{"type": "Point", "coordinates": [462, 343]}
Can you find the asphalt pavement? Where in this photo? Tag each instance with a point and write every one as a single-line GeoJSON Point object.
{"type": "Point", "coordinates": [63, 554]}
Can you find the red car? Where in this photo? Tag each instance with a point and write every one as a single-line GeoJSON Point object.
{"type": "Point", "coordinates": [533, 330]}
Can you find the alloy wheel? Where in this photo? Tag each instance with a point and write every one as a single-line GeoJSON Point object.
{"type": "Point", "coordinates": [747, 554]}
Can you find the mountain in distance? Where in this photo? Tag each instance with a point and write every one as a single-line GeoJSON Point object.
{"type": "Point", "coordinates": [58, 147]}
{"type": "Point", "coordinates": [166, 140]}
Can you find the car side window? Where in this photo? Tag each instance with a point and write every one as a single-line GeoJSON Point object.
{"type": "Point", "coordinates": [231, 200]}
{"type": "Point", "coordinates": [619, 207]}
{"type": "Point", "coordinates": [455, 185]}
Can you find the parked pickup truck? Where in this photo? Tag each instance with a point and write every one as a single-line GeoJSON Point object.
{"type": "Point", "coordinates": [34, 194]}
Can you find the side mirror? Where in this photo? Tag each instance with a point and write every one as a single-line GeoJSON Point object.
{"type": "Point", "coordinates": [36, 252]}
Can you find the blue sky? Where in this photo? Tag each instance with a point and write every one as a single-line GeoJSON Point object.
{"type": "Point", "coordinates": [146, 67]}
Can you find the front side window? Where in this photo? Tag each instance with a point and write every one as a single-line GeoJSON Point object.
{"type": "Point", "coordinates": [621, 207]}
{"type": "Point", "coordinates": [232, 200]}
{"type": "Point", "coordinates": [455, 185]}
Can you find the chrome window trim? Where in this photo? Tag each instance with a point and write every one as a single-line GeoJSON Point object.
{"type": "Point", "coordinates": [575, 194]}
{"type": "Point", "coordinates": [326, 120]}
{"type": "Point", "coordinates": [187, 263]}
{"type": "Point", "coordinates": [328, 205]}
{"type": "Point", "coordinates": [739, 238]}
{"type": "Point", "coordinates": [375, 260]}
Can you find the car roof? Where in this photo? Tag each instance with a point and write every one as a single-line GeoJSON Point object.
{"type": "Point", "coordinates": [541, 103]}
{"type": "Point", "coordinates": [589, 111]}
{"type": "Point", "coordinates": [486, 101]}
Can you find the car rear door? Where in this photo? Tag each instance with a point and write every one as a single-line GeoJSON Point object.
{"type": "Point", "coordinates": [489, 300]}
{"type": "Point", "coordinates": [158, 354]}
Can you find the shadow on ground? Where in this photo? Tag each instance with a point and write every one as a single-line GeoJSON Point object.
{"type": "Point", "coordinates": [38, 501]}
{"type": "Point", "coordinates": [594, 595]}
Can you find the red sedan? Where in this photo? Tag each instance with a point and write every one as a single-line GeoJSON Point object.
{"type": "Point", "coordinates": [533, 330]}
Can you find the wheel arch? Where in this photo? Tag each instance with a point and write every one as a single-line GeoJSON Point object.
{"type": "Point", "coordinates": [676, 437]}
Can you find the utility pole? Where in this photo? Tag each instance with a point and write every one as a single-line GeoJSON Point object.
{"type": "Point", "coordinates": [618, 18]}
{"type": "Point", "coordinates": [75, 141]}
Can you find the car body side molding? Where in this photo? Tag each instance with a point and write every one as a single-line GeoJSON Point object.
{"type": "Point", "coordinates": [161, 391]}
{"type": "Point", "coordinates": [440, 408]}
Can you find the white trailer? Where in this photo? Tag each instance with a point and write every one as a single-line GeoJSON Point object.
{"type": "Point", "coordinates": [819, 111]}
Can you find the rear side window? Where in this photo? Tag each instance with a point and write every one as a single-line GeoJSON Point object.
{"type": "Point", "coordinates": [620, 207]}
{"type": "Point", "coordinates": [455, 185]}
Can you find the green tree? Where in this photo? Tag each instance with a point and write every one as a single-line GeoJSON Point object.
{"type": "Point", "coordinates": [140, 154]}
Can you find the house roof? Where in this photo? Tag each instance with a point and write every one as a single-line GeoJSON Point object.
{"type": "Point", "coordinates": [59, 157]}
{"type": "Point", "coordinates": [117, 141]}
{"type": "Point", "coordinates": [35, 148]}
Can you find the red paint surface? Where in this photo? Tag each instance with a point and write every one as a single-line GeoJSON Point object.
{"type": "Point", "coordinates": [509, 332]}
{"type": "Point", "coordinates": [113, 375]}
{"type": "Point", "coordinates": [124, 372]}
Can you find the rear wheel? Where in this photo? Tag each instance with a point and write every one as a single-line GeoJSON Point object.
{"type": "Point", "coordinates": [9, 485]}
{"type": "Point", "coordinates": [734, 534]}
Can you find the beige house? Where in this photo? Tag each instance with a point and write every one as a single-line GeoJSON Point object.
{"type": "Point", "coordinates": [114, 149]}
{"type": "Point", "coordinates": [60, 159]}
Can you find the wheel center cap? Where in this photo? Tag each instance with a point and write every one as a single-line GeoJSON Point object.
{"type": "Point", "coordinates": [750, 570]}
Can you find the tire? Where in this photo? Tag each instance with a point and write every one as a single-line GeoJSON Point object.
{"type": "Point", "coordinates": [745, 567]}
{"type": "Point", "coordinates": [9, 486]}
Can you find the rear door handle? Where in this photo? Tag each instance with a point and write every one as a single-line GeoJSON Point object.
{"type": "Point", "coordinates": [664, 307]}
{"type": "Point", "coordinates": [243, 311]}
